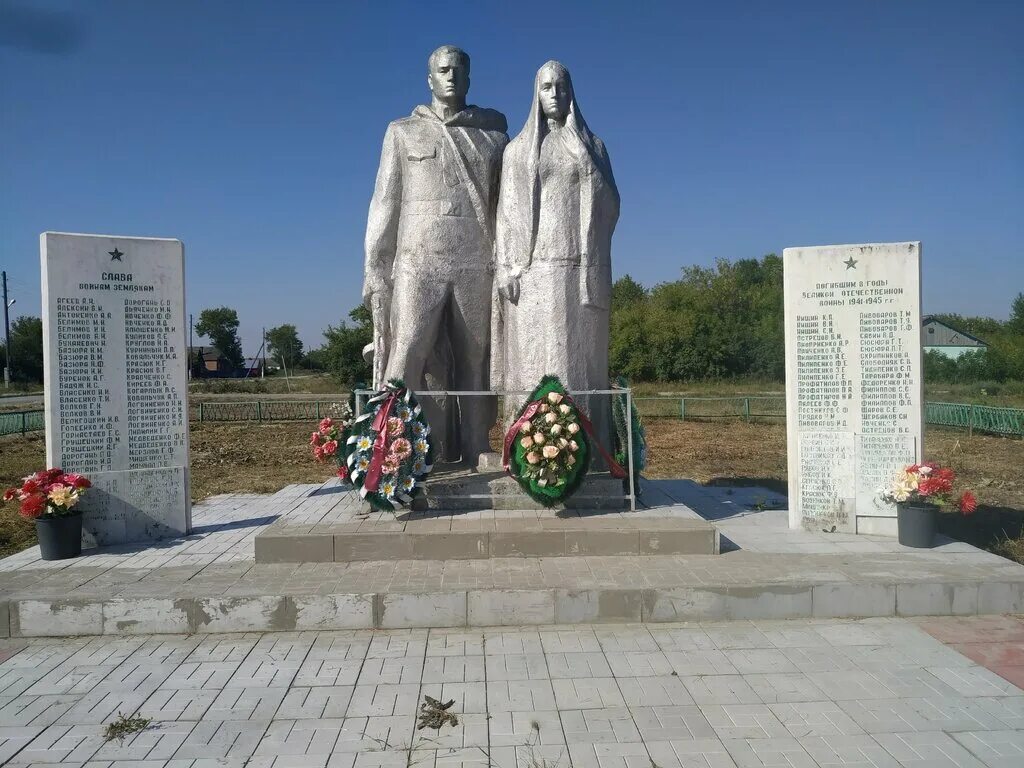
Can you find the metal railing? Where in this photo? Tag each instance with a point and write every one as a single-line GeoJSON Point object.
{"type": "Point", "coordinates": [21, 422]}
{"type": "Point", "coordinates": [698, 408]}
{"type": "Point", "coordinates": [629, 496]}
{"type": "Point", "coordinates": [263, 410]}
{"type": "Point", "coordinates": [983, 418]}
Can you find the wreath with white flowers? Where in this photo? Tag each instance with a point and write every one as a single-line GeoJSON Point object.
{"type": "Point", "coordinates": [547, 449]}
{"type": "Point", "coordinates": [389, 452]}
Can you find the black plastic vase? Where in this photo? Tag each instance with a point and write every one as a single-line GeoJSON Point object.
{"type": "Point", "coordinates": [60, 537]}
{"type": "Point", "coordinates": [915, 523]}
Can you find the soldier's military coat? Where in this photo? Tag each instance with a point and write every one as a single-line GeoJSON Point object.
{"type": "Point", "coordinates": [430, 249]}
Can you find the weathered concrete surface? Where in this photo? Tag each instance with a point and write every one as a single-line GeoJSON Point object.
{"type": "Point", "coordinates": [210, 582]}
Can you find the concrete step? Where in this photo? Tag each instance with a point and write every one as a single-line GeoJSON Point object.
{"type": "Point", "coordinates": [247, 597]}
{"type": "Point", "coordinates": [448, 538]}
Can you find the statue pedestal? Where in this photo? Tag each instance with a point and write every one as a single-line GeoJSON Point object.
{"type": "Point", "coordinates": [600, 491]}
{"type": "Point", "coordinates": [457, 488]}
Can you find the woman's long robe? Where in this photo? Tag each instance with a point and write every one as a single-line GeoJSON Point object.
{"type": "Point", "coordinates": [556, 214]}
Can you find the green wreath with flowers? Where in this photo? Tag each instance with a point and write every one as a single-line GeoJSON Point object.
{"type": "Point", "coordinates": [547, 449]}
{"type": "Point", "coordinates": [389, 453]}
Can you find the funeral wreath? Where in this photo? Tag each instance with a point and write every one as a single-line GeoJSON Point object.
{"type": "Point", "coordinates": [388, 453]}
{"type": "Point", "coordinates": [548, 447]}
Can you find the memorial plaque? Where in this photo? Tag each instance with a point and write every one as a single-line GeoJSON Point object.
{"type": "Point", "coordinates": [115, 375]}
{"type": "Point", "coordinates": [854, 384]}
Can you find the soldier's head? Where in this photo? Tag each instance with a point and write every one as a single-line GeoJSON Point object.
{"type": "Point", "coordinates": [448, 75]}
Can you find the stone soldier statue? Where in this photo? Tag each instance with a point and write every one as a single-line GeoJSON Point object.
{"type": "Point", "coordinates": [430, 243]}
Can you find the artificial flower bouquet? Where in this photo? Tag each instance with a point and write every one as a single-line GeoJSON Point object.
{"type": "Point", "coordinates": [327, 442]}
{"type": "Point", "coordinates": [929, 483]}
{"type": "Point", "coordinates": [48, 493]}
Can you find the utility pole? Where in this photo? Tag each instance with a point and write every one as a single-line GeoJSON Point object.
{"type": "Point", "coordinates": [7, 333]}
{"type": "Point", "coordinates": [263, 368]}
{"type": "Point", "coordinates": [191, 362]}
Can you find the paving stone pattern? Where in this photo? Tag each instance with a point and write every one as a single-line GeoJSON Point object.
{"type": "Point", "coordinates": [873, 692]}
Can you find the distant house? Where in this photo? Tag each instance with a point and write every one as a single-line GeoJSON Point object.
{"type": "Point", "coordinates": [208, 361]}
{"type": "Point", "coordinates": [937, 336]}
{"type": "Point", "coordinates": [254, 367]}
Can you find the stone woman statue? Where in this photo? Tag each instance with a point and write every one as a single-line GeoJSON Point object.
{"type": "Point", "coordinates": [556, 213]}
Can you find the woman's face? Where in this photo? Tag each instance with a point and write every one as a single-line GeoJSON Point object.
{"type": "Point", "coordinates": [554, 94]}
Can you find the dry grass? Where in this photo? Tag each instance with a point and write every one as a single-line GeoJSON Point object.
{"type": "Point", "coordinates": [737, 451]}
{"type": "Point", "coordinates": [252, 458]}
{"type": "Point", "coordinates": [1010, 548]}
{"type": "Point", "coordinates": [262, 458]}
{"type": "Point", "coordinates": [19, 456]}
{"type": "Point", "coordinates": [708, 451]}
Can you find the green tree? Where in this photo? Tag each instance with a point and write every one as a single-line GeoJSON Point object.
{"type": "Point", "coordinates": [1016, 322]}
{"type": "Point", "coordinates": [284, 344]}
{"type": "Point", "coordinates": [982, 327]}
{"type": "Point", "coordinates": [27, 349]}
{"type": "Point", "coordinates": [342, 354]}
{"type": "Point", "coordinates": [714, 322]}
{"type": "Point", "coordinates": [627, 292]}
{"type": "Point", "coordinates": [220, 326]}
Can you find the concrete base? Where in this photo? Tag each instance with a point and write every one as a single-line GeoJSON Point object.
{"type": "Point", "coordinates": [266, 600]}
{"type": "Point", "coordinates": [440, 538]}
{"type": "Point", "coordinates": [877, 526]}
{"type": "Point", "coordinates": [209, 583]}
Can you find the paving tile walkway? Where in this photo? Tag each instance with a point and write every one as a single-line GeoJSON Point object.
{"type": "Point", "coordinates": [874, 692]}
{"type": "Point", "coordinates": [994, 642]}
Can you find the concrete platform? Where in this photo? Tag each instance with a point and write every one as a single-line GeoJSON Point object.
{"type": "Point", "coordinates": [209, 582]}
{"type": "Point", "coordinates": [417, 539]}
{"type": "Point", "coordinates": [465, 531]}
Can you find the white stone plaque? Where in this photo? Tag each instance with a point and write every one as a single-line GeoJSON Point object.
{"type": "Point", "coordinates": [854, 384]}
{"type": "Point", "coordinates": [115, 375]}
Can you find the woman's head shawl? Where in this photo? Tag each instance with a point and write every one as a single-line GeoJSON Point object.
{"type": "Point", "coordinates": [520, 168]}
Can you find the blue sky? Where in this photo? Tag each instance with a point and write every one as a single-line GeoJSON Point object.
{"type": "Point", "coordinates": [251, 130]}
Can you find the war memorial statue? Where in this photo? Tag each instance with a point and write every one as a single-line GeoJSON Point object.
{"type": "Point", "coordinates": [430, 244]}
{"type": "Point", "coordinates": [489, 266]}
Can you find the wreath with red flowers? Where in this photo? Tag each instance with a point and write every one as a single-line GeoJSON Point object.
{"type": "Point", "coordinates": [389, 453]}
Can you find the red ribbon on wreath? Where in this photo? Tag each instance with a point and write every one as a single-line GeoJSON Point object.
{"type": "Point", "coordinates": [380, 425]}
{"type": "Point", "coordinates": [513, 432]}
{"type": "Point", "coordinates": [614, 467]}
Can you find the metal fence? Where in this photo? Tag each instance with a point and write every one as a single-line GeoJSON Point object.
{"type": "Point", "coordinates": [21, 422]}
{"type": "Point", "coordinates": [983, 418]}
{"type": "Point", "coordinates": [980, 418]}
{"type": "Point", "coordinates": [699, 408]}
{"type": "Point", "coordinates": [264, 410]}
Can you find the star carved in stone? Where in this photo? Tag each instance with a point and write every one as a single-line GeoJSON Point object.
{"type": "Point", "coordinates": [115, 255]}
{"type": "Point", "coordinates": [851, 263]}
